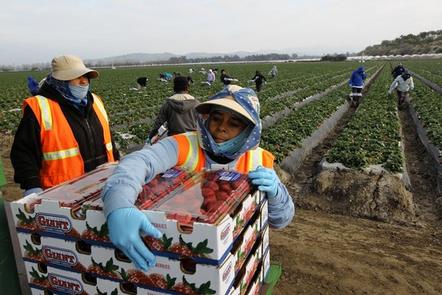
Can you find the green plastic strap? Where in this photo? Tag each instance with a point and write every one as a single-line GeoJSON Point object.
{"type": "Point", "coordinates": [272, 278]}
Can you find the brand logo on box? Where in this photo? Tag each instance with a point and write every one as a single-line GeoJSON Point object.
{"type": "Point", "coordinates": [52, 222]}
{"type": "Point", "coordinates": [59, 256]}
{"type": "Point", "coordinates": [227, 272]}
{"type": "Point", "coordinates": [225, 231]}
{"type": "Point", "coordinates": [65, 284]}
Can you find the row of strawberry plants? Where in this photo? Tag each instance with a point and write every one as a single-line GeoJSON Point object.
{"type": "Point", "coordinates": [313, 87]}
{"type": "Point", "coordinates": [288, 133]}
{"type": "Point", "coordinates": [372, 137]}
{"type": "Point", "coordinates": [428, 105]}
{"type": "Point", "coordinates": [428, 69]}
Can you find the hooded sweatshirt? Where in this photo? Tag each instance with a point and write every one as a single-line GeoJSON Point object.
{"type": "Point", "coordinates": [357, 78]}
{"type": "Point", "coordinates": [179, 113]}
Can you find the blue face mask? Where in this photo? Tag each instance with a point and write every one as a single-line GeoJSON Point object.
{"type": "Point", "coordinates": [79, 92]}
{"type": "Point", "coordinates": [233, 145]}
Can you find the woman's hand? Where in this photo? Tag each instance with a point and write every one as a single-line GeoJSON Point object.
{"type": "Point", "coordinates": [124, 226]}
{"type": "Point", "coordinates": [266, 180]}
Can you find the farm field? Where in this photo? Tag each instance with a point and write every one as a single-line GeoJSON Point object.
{"type": "Point", "coordinates": [374, 226]}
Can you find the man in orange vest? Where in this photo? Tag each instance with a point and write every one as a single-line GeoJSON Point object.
{"type": "Point", "coordinates": [64, 131]}
{"type": "Point", "coordinates": [227, 137]}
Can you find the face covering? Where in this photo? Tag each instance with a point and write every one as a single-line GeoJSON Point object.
{"type": "Point", "coordinates": [233, 145]}
{"type": "Point", "coordinates": [78, 91]}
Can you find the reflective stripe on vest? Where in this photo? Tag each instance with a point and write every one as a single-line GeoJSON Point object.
{"type": "Point", "coordinates": [46, 117]}
{"type": "Point", "coordinates": [100, 106]}
{"type": "Point", "coordinates": [104, 120]}
{"type": "Point", "coordinates": [63, 154]}
{"type": "Point", "coordinates": [191, 156]}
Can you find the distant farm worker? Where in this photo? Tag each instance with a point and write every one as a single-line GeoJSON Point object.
{"type": "Point", "coordinates": [356, 83]}
{"type": "Point", "coordinates": [210, 78]}
{"type": "Point", "coordinates": [403, 85]}
{"type": "Point", "coordinates": [226, 79]}
{"type": "Point", "coordinates": [166, 77]}
{"type": "Point", "coordinates": [273, 72]}
{"type": "Point", "coordinates": [64, 131]}
{"type": "Point", "coordinates": [178, 110]}
{"type": "Point", "coordinates": [227, 137]}
{"type": "Point", "coordinates": [397, 71]}
{"type": "Point", "coordinates": [259, 79]}
{"type": "Point", "coordinates": [142, 82]}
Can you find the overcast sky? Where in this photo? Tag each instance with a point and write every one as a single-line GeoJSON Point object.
{"type": "Point", "coordinates": [36, 30]}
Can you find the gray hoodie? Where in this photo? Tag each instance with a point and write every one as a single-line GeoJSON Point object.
{"type": "Point", "coordinates": [179, 113]}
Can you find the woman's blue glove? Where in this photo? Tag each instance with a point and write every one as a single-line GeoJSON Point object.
{"type": "Point", "coordinates": [266, 180]}
{"type": "Point", "coordinates": [124, 226]}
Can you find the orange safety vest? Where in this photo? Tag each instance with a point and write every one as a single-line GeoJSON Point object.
{"type": "Point", "coordinates": [62, 160]}
{"type": "Point", "coordinates": [191, 156]}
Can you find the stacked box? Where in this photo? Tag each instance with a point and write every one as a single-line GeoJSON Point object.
{"type": "Point", "coordinates": [205, 248]}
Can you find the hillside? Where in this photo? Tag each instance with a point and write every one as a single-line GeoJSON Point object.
{"type": "Point", "coordinates": [425, 42]}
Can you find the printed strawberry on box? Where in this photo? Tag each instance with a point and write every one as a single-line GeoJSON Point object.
{"type": "Point", "coordinates": [161, 185]}
{"type": "Point", "coordinates": [59, 281]}
{"type": "Point", "coordinates": [251, 266]}
{"type": "Point", "coordinates": [214, 208]}
{"type": "Point", "coordinates": [170, 274]}
{"type": "Point", "coordinates": [107, 263]}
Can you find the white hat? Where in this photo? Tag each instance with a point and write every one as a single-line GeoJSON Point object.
{"type": "Point", "coordinates": [69, 67]}
{"type": "Point", "coordinates": [227, 102]}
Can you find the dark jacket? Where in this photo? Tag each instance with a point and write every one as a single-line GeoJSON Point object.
{"type": "Point", "coordinates": [258, 78]}
{"type": "Point", "coordinates": [179, 113]}
{"type": "Point", "coordinates": [225, 79]}
{"type": "Point", "coordinates": [26, 153]}
{"type": "Point", "coordinates": [398, 70]}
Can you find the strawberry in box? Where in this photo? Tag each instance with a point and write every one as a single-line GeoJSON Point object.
{"type": "Point", "coordinates": [206, 198]}
{"type": "Point", "coordinates": [160, 186]}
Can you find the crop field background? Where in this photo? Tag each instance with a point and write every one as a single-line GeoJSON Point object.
{"type": "Point", "coordinates": [326, 250]}
{"type": "Point", "coordinates": [133, 111]}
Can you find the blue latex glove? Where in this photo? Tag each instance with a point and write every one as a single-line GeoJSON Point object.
{"type": "Point", "coordinates": [31, 191]}
{"type": "Point", "coordinates": [266, 180]}
{"type": "Point", "coordinates": [125, 225]}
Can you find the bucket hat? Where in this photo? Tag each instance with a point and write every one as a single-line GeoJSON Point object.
{"type": "Point", "coordinates": [69, 67]}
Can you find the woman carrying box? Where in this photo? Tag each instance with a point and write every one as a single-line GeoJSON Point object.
{"type": "Point", "coordinates": [227, 137]}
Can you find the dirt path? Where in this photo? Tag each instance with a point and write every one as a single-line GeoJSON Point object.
{"type": "Point", "coordinates": [323, 253]}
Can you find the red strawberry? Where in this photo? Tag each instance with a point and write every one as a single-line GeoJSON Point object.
{"type": "Point", "coordinates": [212, 185]}
{"type": "Point", "coordinates": [225, 186]}
{"type": "Point", "coordinates": [222, 196]}
{"type": "Point", "coordinates": [208, 193]}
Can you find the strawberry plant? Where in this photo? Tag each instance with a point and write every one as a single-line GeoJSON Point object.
{"type": "Point", "coordinates": [372, 136]}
